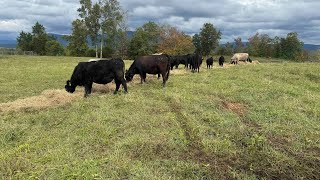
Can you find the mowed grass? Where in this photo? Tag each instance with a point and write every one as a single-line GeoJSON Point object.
{"type": "Point", "coordinates": [240, 122]}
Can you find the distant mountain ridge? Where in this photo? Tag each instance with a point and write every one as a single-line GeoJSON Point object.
{"type": "Point", "coordinates": [13, 43]}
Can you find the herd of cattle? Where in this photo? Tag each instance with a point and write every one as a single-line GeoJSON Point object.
{"type": "Point", "coordinates": [104, 71]}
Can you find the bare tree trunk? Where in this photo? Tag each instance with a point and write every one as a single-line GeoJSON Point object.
{"type": "Point", "coordinates": [101, 44]}
{"type": "Point", "coordinates": [96, 50]}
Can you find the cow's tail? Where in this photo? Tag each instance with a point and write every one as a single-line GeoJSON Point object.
{"type": "Point", "coordinates": [168, 67]}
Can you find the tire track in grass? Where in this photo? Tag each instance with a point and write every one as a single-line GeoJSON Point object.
{"type": "Point", "coordinates": [309, 165]}
{"type": "Point", "coordinates": [195, 150]}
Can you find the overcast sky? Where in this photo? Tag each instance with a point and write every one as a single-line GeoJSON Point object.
{"type": "Point", "coordinates": [235, 18]}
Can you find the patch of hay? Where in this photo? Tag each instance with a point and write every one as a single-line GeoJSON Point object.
{"type": "Point", "coordinates": [48, 98]}
{"type": "Point", "coordinates": [255, 62]}
{"type": "Point", "coordinates": [104, 88]}
{"type": "Point", "coordinates": [178, 72]}
{"type": "Point", "coordinates": [150, 77]}
{"type": "Point", "coordinates": [227, 65]}
{"type": "Point", "coordinates": [237, 108]}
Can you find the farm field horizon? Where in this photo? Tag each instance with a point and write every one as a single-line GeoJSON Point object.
{"type": "Point", "coordinates": [248, 121]}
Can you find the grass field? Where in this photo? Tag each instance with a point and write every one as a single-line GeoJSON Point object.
{"type": "Point", "coordinates": [250, 121]}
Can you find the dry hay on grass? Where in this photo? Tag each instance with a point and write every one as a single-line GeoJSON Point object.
{"type": "Point", "coordinates": [227, 65]}
{"type": "Point", "coordinates": [48, 98]}
{"type": "Point", "coordinates": [255, 62]}
{"type": "Point", "coordinates": [103, 88]}
{"type": "Point", "coordinates": [178, 72]}
{"type": "Point", "coordinates": [150, 77]}
{"type": "Point", "coordinates": [237, 108]}
{"type": "Point", "coordinates": [53, 98]}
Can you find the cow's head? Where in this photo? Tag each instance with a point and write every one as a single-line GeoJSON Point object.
{"type": "Point", "coordinates": [69, 88]}
{"type": "Point", "coordinates": [129, 75]}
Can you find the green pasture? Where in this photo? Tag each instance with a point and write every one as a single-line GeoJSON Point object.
{"type": "Point", "coordinates": [254, 121]}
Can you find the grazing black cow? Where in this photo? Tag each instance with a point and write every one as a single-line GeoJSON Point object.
{"type": "Point", "coordinates": [153, 64]}
{"type": "Point", "coordinates": [221, 61]}
{"type": "Point", "coordinates": [209, 62]}
{"type": "Point", "coordinates": [195, 62]}
{"type": "Point", "coordinates": [183, 59]}
{"type": "Point", "coordinates": [100, 72]}
{"type": "Point", "coordinates": [174, 62]}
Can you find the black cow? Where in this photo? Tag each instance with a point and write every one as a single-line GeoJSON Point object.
{"type": "Point", "coordinates": [100, 72]}
{"type": "Point", "coordinates": [183, 59]}
{"type": "Point", "coordinates": [174, 62]}
{"type": "Point", "coordinates": [209, 62]}
{"type": "Point", "coordinates": [153, 64]}
{"type": "Point", "coordinates": [195, 62]}
{"type": "Point", "coordinates": [221, 61]}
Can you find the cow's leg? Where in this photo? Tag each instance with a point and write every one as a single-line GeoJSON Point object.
{"type": "Point", "coordinates": [164, 77]}
{"type": "Point", "coordinates": [141, 77]}
{"type": "Point", "coordinates": [117, 86]}
{"type": "Point", "coordinates": [118, 83]}
{"type": "Point", "coordinates": [144, 75]}
{"type": "Point", "coordinates": [124, 84]}
{"type": "Point", "coordinates": [158, 75]}
{"type": "Point", "coordinates": [87, 89]}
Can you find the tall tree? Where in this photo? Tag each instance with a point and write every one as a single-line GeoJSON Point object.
{"type": "Point", "coordinates": [24, 41]}
{"type": "Point", "coordinates": [39, 39]}
{"type": "Point", "coordinates": [253, 46]}
{"type": "Point", "coordinates": [111, 17]}
{"type": "Point", "coordinates": [145, 40]}
{"type": "Point", "coordinates": [276, 47]}
{"type": "Point", "coordinates": [78, 39]}
{"type": "Point", "coordinates": [123, 40]}
{"type": "Point", "coordinates": [138, 45]}
{"type": "Point", "coordinates": [265, 47]}
{"type": "Point", "coordinates": [209, 37]}
{"type": "Point", "coordinates": [153, 32]}
{"type": "Point", "coordinates": [174, 42]}
{"type": "Point", "coordinates": [239, 45]}
{"type": "Point", "coordinates": [291, 46]}
{"type": "Point", "coordinates": [54, 48]}
{"type": "Point", "coordinates": [197, 43]}
{"type": "Point", "coordinates": [91, 15]}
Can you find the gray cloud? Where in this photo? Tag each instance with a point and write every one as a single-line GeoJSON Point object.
{"type": "Point", "coordinates": [234, 18]}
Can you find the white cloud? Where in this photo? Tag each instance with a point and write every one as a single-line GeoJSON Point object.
{"type": "Point", "coordinates": [14, 25]}
{"type": "Point", "coordinates": [233, 17]}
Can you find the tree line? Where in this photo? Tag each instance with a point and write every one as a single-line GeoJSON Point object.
{"type": "Point", "coordinates": [101, 31]}
{"type": "Point", "coordinates": [39, 42]}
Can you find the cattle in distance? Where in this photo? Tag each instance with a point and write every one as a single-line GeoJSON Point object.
{"type": "Point", "coordinates": [209, 62]}
{"type": "Point", "coordinates": [221, 60]}
{"type": "Point", "coordinates": [240, 57]}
